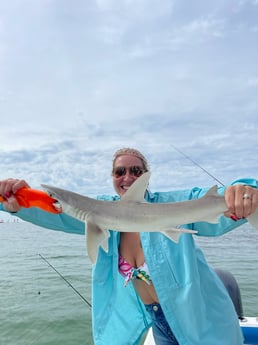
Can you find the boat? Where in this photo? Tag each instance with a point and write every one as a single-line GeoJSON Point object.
{"type": "Point", "coordinates": [249, 326]}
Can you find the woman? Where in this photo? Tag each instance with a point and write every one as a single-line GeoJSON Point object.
{"type": "Point", "coordinates": [146, 279]}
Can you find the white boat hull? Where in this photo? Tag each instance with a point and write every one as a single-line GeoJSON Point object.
{"type": "Point", "coordinates": [249, 326]}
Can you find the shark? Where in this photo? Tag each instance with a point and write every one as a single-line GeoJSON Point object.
{"type": "Point", "coordinates": [132, 213]}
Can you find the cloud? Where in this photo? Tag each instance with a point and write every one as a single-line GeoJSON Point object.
{"type": "Point", "coordinates": [81, 160]}
{"type": "Point", "coordinates": [79, 82]}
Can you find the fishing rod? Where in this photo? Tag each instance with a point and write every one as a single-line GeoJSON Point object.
{"type": "Point", "coordinates": [74, 289]}
{"type": "Point", "coordinates": [233, 216]}
{"type": "Point", "coordinates": [198, 165]}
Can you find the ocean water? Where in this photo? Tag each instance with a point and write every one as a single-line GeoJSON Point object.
{"type": "Point", "coordinates": [38, 307]}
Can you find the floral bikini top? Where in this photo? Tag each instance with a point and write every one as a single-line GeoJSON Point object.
{"type": "Point", "coordinates": [130, 272]}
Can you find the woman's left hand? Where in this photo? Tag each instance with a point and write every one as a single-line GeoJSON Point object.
{"type": "Point", "coordinates": [241, 201]}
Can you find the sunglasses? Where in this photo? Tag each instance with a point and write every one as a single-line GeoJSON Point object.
{"type": "Point", "coordinates": [133, 171]}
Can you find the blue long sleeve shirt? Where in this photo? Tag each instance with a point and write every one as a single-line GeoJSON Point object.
{"type": "Point", "coordinates": [194, 300]}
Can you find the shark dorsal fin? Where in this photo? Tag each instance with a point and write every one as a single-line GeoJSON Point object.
{"type": "Point", "coordinates": [137, 190]}
{"type": "Point", "coordinates": [213, 191]}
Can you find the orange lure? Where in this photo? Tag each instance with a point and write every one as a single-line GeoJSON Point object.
{"type": "Point", "coordinates": [28, 197]}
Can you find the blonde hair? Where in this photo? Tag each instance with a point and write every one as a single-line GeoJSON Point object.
{"type": "Point", "coordinates": [131, 151]}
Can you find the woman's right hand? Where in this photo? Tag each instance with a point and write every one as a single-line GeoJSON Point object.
{"type": "Point", "coordinates": [8, 188]}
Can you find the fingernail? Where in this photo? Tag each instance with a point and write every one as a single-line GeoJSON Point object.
{"type": "Point", "coordinates": [8, 194]}
{"type": "Point", "coordinates": [234, 217]}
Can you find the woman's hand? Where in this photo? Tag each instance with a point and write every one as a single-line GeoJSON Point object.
{"type": "Point", "coordinates": [241, 201]}
{"type": "Point", "coordinates": [8, 188]}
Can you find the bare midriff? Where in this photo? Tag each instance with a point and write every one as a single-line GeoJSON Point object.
{"type": "Point", "coordinates": [131, 251]}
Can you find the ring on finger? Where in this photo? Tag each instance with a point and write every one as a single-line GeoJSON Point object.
{"type": "Point", "coordinates": [247, 196]}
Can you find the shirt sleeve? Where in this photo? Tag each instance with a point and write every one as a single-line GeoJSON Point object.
{"type": "Point", "coordinates": [59, 222]}
{"type": "Point", "coordinates": [224, 224]}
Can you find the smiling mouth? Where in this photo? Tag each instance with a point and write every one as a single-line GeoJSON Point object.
{"type": "Point", "coordinates": [125, 187]}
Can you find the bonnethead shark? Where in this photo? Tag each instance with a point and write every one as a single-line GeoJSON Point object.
{"type": "Point", "coordinates": [133, 214]}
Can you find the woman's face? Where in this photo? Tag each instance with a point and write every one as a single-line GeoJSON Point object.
{"type": "Point", "coordinates": [126, 170]}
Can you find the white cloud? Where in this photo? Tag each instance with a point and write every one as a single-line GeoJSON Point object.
{"type": "Point", "coordinates": [78, 82]}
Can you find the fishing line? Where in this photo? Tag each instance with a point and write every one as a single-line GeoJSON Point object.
{"type": "Point", "coordinates": [198, 165]}
{"type": "Point", "coordinates": [74, 289]}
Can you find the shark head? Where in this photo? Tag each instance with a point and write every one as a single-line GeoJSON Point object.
{"type": "Point", "coordinates": [85, 209]}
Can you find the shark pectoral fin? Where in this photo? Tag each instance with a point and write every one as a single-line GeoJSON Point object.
{"type": "Point", "coordinates": [104, 244]}
{"type": "Point", "coordinates": [174, 233]}
{"type": "Point", "coordinates": [95, 237]}
{"type": "Point", "coordinates": [253, 219]}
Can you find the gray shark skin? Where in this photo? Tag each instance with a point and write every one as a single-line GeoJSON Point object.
{"type": "Point", "coordinates": [133, 214]}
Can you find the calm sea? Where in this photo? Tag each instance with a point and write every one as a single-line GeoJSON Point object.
{"type": "Point", "coordinates": [38, 307]}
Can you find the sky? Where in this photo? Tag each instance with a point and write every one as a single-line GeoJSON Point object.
{"type": "Point", "coordinates": [81, 79]}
